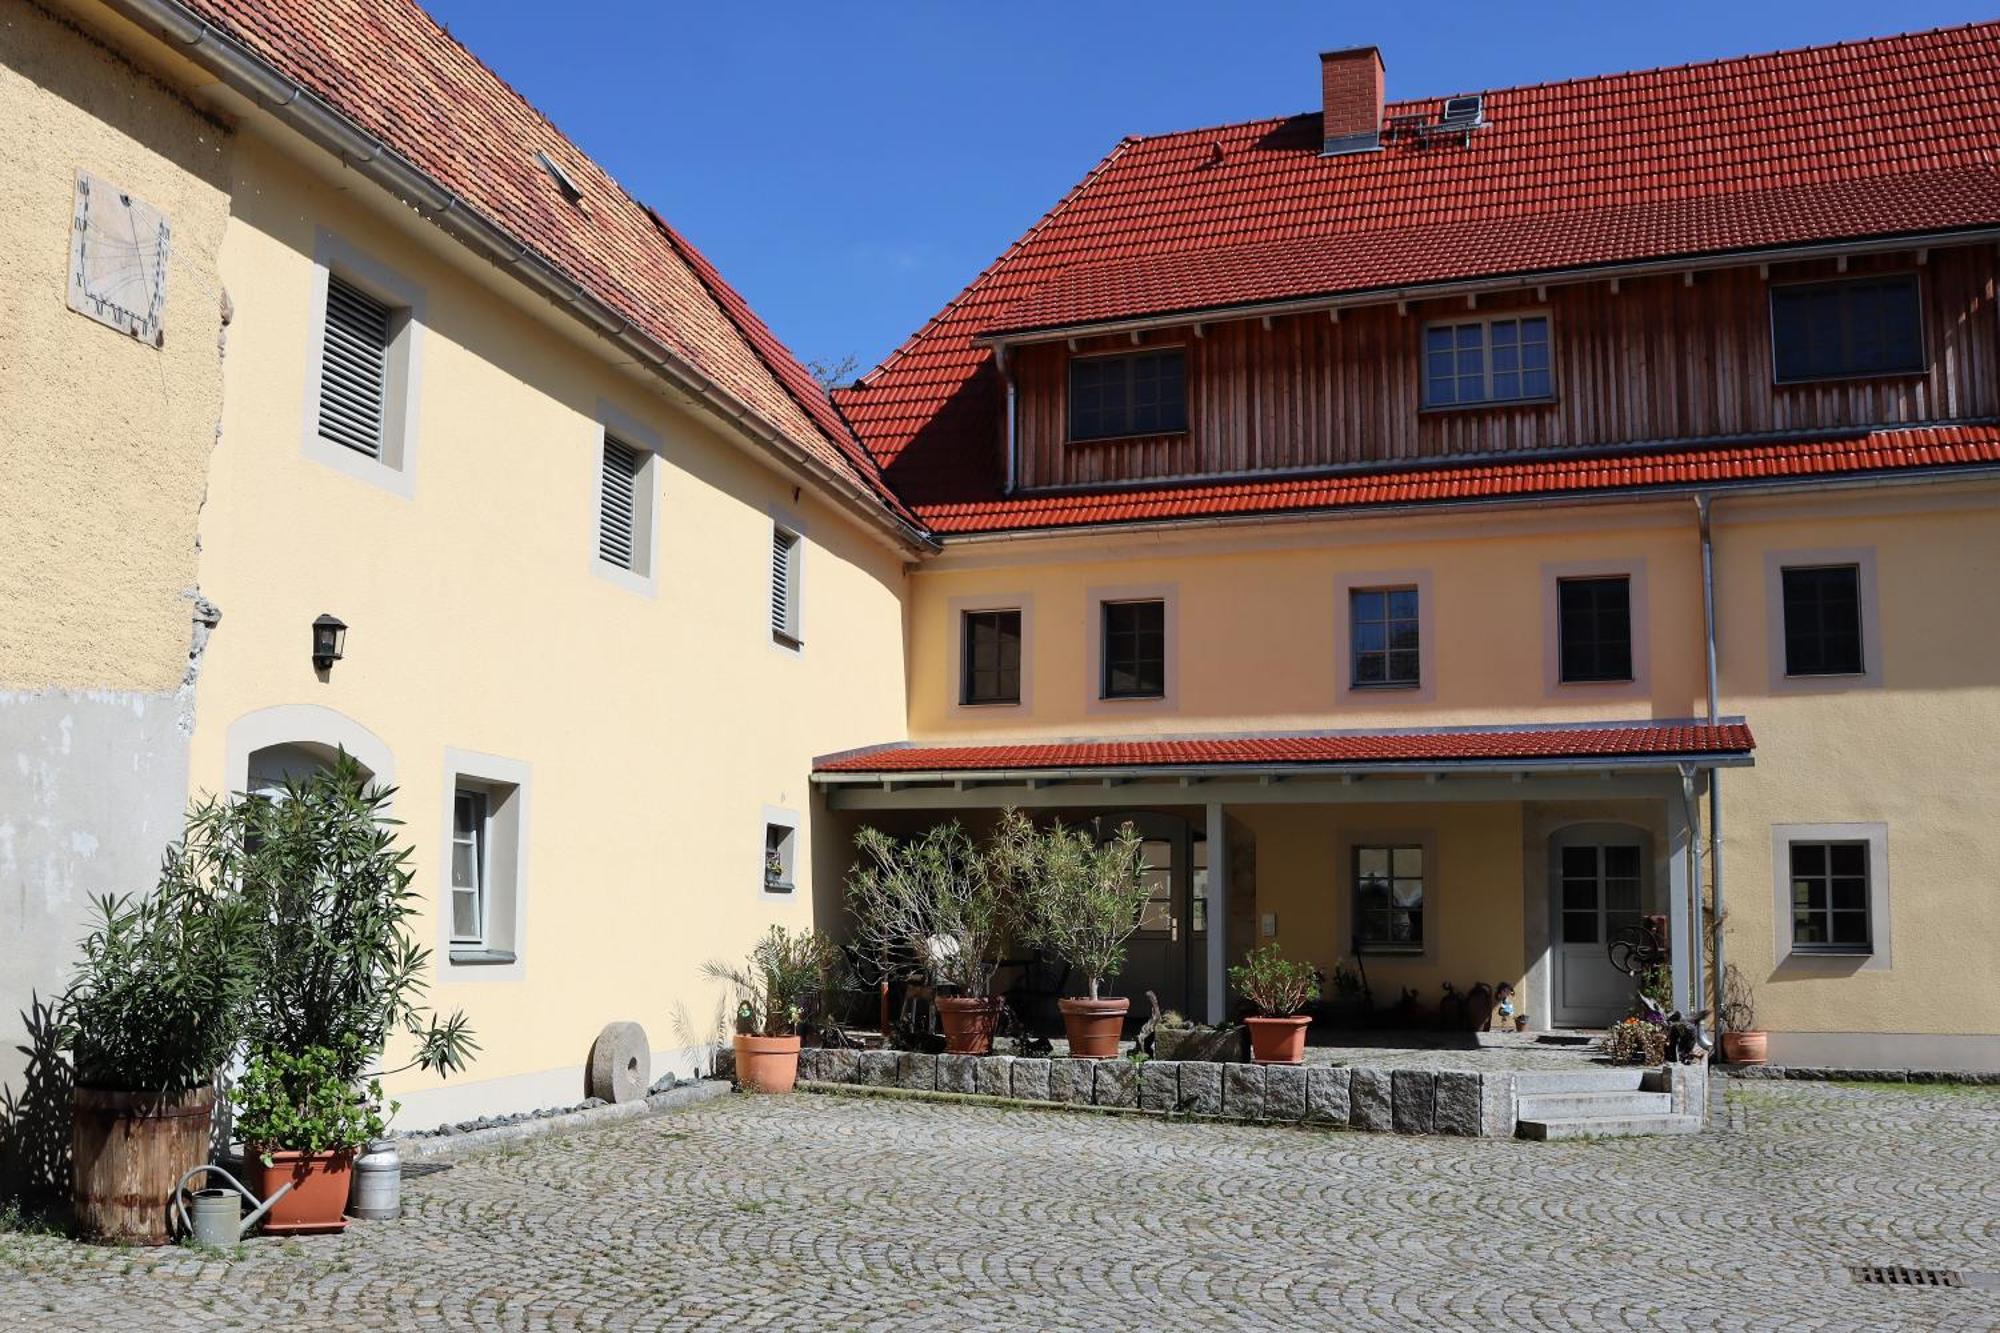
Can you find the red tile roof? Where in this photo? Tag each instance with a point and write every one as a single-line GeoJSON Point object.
{"type": "Point", "coordinates": [1851, 453]}
{"type": "Point", "coordinates": [388, 67]}
{"type": "Point", "coordinates": [1665, 740]}
{"type": "Point", "coordinates": [1883, 137]}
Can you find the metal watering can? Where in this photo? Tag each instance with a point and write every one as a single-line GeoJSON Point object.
{"type": "Point", "coordinates": [218, 1218]}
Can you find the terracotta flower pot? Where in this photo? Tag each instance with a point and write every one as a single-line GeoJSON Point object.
{"type": "Point", "coordinates": [1094, 1026]}
{"type": "Point", "coordinates": [968, 1023]}
{"type": "Point", "coordinates": [1746, 1048]}
{"type": "Point", "coordinates": [1278, 1041]}
{"type": "Point", "coordinates": [766, 1064]}
{"type": "Point", "coordinates": [1520, 1022]}
{"type": "Point", "coordinates": [128, 1150]}
{"type": "Point", "coordinates": [318, 1197]}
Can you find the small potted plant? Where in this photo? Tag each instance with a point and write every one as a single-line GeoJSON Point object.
{"type": "Point", "coordinates": [1635, 1041]}
{"type": "Point", "coordinates": [1081, 901]}
{"type": "Point", "coordinates": [1743, 1042]}
{"type": "Point", "coordinates": [1349, 1004]}
{"type": "Point", "coordinates": [302, 1118]}
{"type": "Point", "coordinates": [1279, 988]}
{"type": "Point", "coordinates": [939, 905]}
{"type": "Point", "coordinates": [787, 978]}
{"type": "Point", "coordinates": [154, 1010]}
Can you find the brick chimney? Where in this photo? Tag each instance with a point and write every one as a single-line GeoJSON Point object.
{"type": "Point", "coordinates": [1351, 112]}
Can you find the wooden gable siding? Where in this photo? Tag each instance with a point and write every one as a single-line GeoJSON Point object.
{"type": "Point", "coordinates": [1658, 360]}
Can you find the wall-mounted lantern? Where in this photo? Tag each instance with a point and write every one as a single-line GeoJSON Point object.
{"type": "Point", "coordinates": [329, 640]}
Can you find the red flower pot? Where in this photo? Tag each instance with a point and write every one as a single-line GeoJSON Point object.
{"type": "Point", "coordinates": [1746, 1048]}
{"type": "Point", "coordinates": [968, 1023]}
{"type": "Point", "coordinates": [318, 1197]}
{"type": "Point", "coordinates": [766, 1064]}
{"type": "Point", "coordinates": [1278, 1041]}
{"type": "Point", "coordinates": [1094, 1026]}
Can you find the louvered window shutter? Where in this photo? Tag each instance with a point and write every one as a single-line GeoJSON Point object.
{"type": "Point", "coordinates": [354, 369]}
{"type": "Point", "coordinates": [617, 503]}
{"type": "Point", "coordinates": [785, 584]}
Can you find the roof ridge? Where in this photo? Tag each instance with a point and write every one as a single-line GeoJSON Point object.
{"type": "Point", "coordinates": [768, 347]}
{"type": "Point", "coordinates": [1019, 243]}
{"type": "Point", "coordinates": [1542, 84]}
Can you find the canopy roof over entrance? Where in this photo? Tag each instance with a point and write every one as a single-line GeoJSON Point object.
{"type": "Point", "coordinates": [1596, 745]}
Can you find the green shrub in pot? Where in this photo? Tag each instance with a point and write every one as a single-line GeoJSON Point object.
{"type": "Point", "coordinates": [1081, 900]}
{"type": "Point", "coordinates": [154, 1010]}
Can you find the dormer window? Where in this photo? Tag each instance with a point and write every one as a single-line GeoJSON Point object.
{"type": "Point", "coordinates": [1132, 393]}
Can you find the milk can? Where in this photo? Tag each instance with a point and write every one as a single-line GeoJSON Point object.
{"type": "Point", "coordinates": [378, 1183]}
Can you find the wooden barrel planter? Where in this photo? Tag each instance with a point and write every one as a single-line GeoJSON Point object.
{"type": "Point", "coordinates": [127, 1150]}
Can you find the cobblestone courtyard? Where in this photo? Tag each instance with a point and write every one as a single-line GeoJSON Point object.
{"type": "Point", "coordinates": [821, 1211]}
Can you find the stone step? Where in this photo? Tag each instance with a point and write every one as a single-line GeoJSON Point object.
{"type": "Point", "coordinates": [1605, 1127]}
{"type": "Point", "coordinates": [1582, 1105]}
{"type": "Point", "coordinates": [1607, 1078]}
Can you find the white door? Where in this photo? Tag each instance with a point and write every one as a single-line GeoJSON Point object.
{"type": "Point", "coordinates": [1599, 887]}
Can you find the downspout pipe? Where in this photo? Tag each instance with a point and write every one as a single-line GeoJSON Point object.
{"type": "Point", "coordinates": [1703, 504]}
{"type": "Point", "coordinates": [1005, 366]}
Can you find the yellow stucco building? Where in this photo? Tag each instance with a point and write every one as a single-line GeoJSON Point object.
{"type": "Point", "coordinates": [1440, 610]}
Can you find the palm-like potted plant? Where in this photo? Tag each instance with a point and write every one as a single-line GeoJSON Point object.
{"type": "Point", "coordinates": [1743, 1042]}
{"type": "Point", "coordinates": [154, 1011]}
{"type": "Point", "coordinates": [938, 904]}
{"type": "Point", "coordinates": [1080, 900]}
{"type": "Point", "coordinates": [785, 981]}
{"type": "Point", "coordinates": [338, 972]}
{"type": "Point", "coordinates": [1279, 988]}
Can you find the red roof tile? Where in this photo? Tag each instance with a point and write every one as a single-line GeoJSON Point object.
{"type": "Point", "coordinates": [1852, 453]}
{"type": "Point", "coordinates": [1584, 742]}
{"type": "Point", "coordinates": [389, 68]}
{"type": "Point", "coordinates": [1865, 139]}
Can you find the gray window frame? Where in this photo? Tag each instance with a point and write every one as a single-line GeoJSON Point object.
{"type": "Point", "coordinates": [1127, 429]}
{"type": "Point", "coordinates": [1848, 281]}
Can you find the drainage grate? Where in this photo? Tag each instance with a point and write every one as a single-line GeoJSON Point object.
{"type": "Point", "coordinates": [1895, 1275]}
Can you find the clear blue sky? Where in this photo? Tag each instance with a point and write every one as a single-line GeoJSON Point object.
{"type": "Point", "coordinates": [849, 168]}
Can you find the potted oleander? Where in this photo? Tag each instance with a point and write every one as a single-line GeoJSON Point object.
{"type": "Point", "coordinates": [939, 906]}
{"type": "Point", "coordinates": [338, 972]}
{"type": "Point", "coordinates": [1279, 988]}
{"type": "Point", "coordinates": [784, 983]}
{"type": "Point", "coordinates": [1079, 900]}
{"type": "Point", "coordinates": [153, 1012]}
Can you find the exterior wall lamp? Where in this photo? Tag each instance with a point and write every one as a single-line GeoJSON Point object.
{"type": "Point", "coordinates": [329, 639]}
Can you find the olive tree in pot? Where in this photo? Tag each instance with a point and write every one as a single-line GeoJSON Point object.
{"type": "Point", "coordinates": [338, 974]}
{"type": "Point", "coordinates": [1081, 901]}
{"type": "Point", "coordinates": [1279, 988]}
{"type": "Point", "coordinates": [938, 905]}
{"type": "Point", "coordinates": [786, 981]}
{"type": "Point", "coordinates": [154, 1011]}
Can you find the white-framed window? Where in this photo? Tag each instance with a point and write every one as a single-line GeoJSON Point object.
{"type": "Point", "coordinates": [468, 867]}
{"type": "Point", "coordinates": [1497, 359]}
{"type": "Point", "coordinates": [779, 875]}
{"type": "Point", "coordinates": [367, 326]}
{"type": "Point", "coordinates": [779, 840]}
{"type": "Point", "coordinates": [1385, 638]}
{"type": "Point", "coordinates": [627, 480]}
{"type": "Point", "coordinates": [1831, 894]}
{"type": "Point", "coordinates": [483, 914]}
{"type": "Point", "coordinates": [1824, 622]}
{"type": "Point", "coordinates": [787, 554]}
{"type": "Point", "coordinates": [1384, 635]}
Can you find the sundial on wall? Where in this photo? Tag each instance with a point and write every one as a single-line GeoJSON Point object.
{"type": "Point", "coordinates": [118, 260]}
